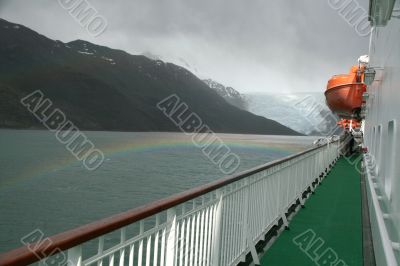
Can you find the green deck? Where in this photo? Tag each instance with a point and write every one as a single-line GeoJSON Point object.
{"type": "Point", "coordinates": [331, 216]}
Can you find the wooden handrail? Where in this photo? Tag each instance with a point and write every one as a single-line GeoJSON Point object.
{"type": "Point", "coordinates": [79, 235]}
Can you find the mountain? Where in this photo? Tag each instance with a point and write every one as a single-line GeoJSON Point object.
{"type": "Point", "coordinates": [231, 95]}
{"type": "Point", "coordinates": [100, 88]}
{"type": "Point", "coordinates": [304, 112]}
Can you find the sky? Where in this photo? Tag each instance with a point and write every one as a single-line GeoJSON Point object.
{"type": "Point", "coordinates": [269, 46]}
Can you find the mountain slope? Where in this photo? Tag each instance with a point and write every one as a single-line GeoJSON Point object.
{"type": "Point", "coordinates": [99, 88]}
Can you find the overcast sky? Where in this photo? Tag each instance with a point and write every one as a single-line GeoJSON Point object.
{"type": "Point", "coordinates": [252, 45]}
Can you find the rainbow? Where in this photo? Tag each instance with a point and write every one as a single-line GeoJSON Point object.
{"type": "Point", "coordinates": [147, 144]}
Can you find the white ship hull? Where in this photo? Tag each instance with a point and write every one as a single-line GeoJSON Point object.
{"type": "Point", "coordinates": [381, 133]}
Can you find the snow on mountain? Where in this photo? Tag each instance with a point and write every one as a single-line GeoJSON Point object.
{"type": "Point", "coordinates": [175, 60]}
{"type": "Point", "coordinates": [151, 56]}
{"type": "Point", "coordinates": [86, 48]}
{"type": "Point", "coordinates": [231, 95]}
{"type": "Point", "coordinates": [304, 112]}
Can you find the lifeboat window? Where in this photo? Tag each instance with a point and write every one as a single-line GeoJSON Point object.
{"type": "Point", "coordinates": [391, 157]}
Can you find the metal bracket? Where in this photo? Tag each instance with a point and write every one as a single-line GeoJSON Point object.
{"type": "Point", "coordinates": [396, 246]}
{"type": "Point", "coordinates": [285, 221]}
{"type": "Point", "coordinates": [253, 250]}
{"type": "Point", "coordinates": [301, 200]}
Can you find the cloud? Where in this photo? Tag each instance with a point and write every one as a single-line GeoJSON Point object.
{"type": "Point", "coordinates": [255, 45]}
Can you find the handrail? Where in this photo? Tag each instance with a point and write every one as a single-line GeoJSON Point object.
{"type": "Point", "coordinates": [74, 237]}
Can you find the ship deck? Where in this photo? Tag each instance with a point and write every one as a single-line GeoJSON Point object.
{"type": "Point", "coordinates": [328, 228]}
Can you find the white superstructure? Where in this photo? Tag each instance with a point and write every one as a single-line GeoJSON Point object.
{"type": "Point", "coordinates": [381, 133]}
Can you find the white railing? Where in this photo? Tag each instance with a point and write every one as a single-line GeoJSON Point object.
{"type": "Point", "coordinates": [217, 224]}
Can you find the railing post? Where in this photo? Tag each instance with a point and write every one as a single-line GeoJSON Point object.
{"type": "Point", "coordinates": [217, 230]}
{"type": "Point", "coordinates": [314, 171]}
{"type": "Point", "coordinates": [253, 250]}
{"type": "Point", "coordinates": [75, 256]}
{"type": "Point", "coordinates": [278, 195]}
{"type": "Point", "coordinates": [245, 228]}
{"type": "Point", "coordinates": [171, 237]}
{"type": "Point", "coordinates": [122, 252]}
{"type": "Point", "coordinates": [140, 249]}
{"type": "Point", "coordinates": [100, 249]}
{"type": "Point", "coordinates": [247, 238]}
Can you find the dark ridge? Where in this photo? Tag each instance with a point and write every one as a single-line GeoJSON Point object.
{"type": "Point", "coordinates": [100, 88]}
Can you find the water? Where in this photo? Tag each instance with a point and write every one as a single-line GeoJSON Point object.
{"type": "Point", "coordinates": [42, 186]}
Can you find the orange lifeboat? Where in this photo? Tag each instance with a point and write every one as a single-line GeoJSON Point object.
{"type": "Point", "coordinates": [344, 93]}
